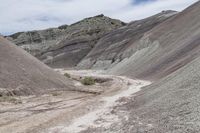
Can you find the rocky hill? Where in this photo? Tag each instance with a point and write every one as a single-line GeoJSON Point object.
{"type": "Point", "coordinates": [23, 74]}
{"type": "Point", "coordinates": [66, 45]}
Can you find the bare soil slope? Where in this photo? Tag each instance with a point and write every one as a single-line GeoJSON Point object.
{"type": "Point", "coordinates": [166, 48]}
{"type": "Point", "coordinates": [168, 106]}
{"type": "Point", "coordinates": [21, 72]}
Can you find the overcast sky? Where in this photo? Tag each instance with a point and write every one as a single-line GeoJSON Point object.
{"type": "Point", "coordinates": [23, 15]}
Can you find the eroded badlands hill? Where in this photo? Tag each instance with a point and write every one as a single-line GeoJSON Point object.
{"type": "Point", "coordinates": [66, 45]}
{"type": "Point", "coordinates": [121, 43]}
{"type": "Point", "coordinates": [23, 74]}
{"type": "Point", "coordinates": [166, 48]}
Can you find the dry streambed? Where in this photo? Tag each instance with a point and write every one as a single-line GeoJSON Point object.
{"type": "Point", "coordinates": [70, 111]}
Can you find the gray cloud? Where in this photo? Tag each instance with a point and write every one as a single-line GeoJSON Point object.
{"type": "Point", "coordinates": [23, 15]}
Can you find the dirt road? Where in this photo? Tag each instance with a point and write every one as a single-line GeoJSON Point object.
{"type": "Point", "coordinates": [71, 111]}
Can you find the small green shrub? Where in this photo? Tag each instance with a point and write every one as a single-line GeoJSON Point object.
{"type": "Point", "coordinates": [88, 81]}
{"type": "Point", "coordinates": [55, 94]}
{"type": "Point", "coordinates": [67, 75]}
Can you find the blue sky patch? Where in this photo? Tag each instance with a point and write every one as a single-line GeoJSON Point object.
{"type": "Point", "coordinates": [141, 1]}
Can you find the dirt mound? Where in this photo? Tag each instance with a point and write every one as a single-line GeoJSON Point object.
{"type": "Point", "coordinates": [23, 73]}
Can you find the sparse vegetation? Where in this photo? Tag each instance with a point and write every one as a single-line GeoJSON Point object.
{"type": "Point", "coordinates": [67, 75]}
{"type": "Point", "coordinates": [55, 94]}
{"type": "Point", "coordinates": [10, 99]}
{"type": "Point", "coordinates": [88, 81]}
